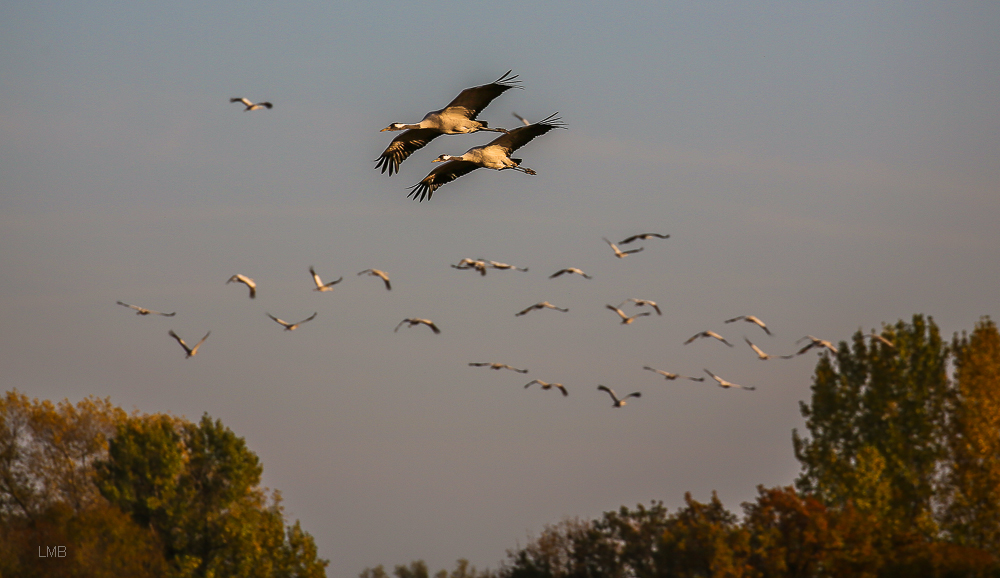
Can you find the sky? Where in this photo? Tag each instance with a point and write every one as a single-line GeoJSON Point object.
{"type": "Point", "coordinates": [827, 167]}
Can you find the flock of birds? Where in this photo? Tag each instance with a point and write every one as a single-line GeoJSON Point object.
{"type": "Point", "coordinates": [459, 117]}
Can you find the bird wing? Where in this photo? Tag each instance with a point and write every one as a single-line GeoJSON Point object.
{"type": "Point", "coordinates": [197, 345]}
{"type": "Point", "coordinates": [316, 279]}
{"type": "Point", "coordinates": [403, 146]}
{"type": "Point", "coordinates": [332, 283]}
{"type": "Point", "coordinates": [179, 340]}
{"type": "Point", "coordinates": [475, 99]}
{"type": "Point", "coordinates": [282, 322]}
{"type": "Point", "coordinates": [521, 136]}
{"type": "Point", "coordinates": [558, 273]}
{"type": "Point", "coordinates": [310, 318]}
{"type": "Point", "coordinates": [243, 100]}
{"type": "Point", "coordinates": [444, 174]}
{"type": "Point", "coordinates": [562, 388]}
{"type": "Point", "coordinates": [617, 310]}
{"type": "Point", "coordinates": [693, 337]}
{"type": "Point", "coordinates": [430, 324]}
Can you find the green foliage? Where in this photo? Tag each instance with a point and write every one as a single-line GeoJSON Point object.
{"type": "Point", "coordinates": [197, 488]}
{"type": "Point", "coordinates": [137, 496]}
{"type": "Point", "coordinates": [880, 407]}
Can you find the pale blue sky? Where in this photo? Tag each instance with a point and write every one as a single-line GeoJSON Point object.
{"type": "Point", "coordinates": [826, 167]}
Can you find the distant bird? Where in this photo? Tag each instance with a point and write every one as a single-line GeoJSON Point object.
{"type": "Point", "coordinates": [614, 397]}
{"type": "Point", "coordinates": [573, 270]}
{"type": "Point", "coordinates": [728, 384]}
{"type": "Point", "coordinates": [672, 376]}
{"type": "Point", "coordinates": [523, 120]}
{"type": "Point", "coordinates": [415, 321]}
{"type": "Point", "coordinates": [815, 342]}
{"type": "Point", "coordinates": [459, 117]}
{"type": "Point", "coordinates": [641, 302]}
{"type": "Point", "coordinates": [478, 265]}
{"type": "Point", "coordinates": [380, 274]}
{"type": "Point", "coordinates": [542, 305]}
{"type": "Point", "coordinates": [547, 385]}
{"type": "Point", "coordinates": [292, 326]}
{"type": "Point", "coordinates": [764, 356]}
{"type": "Point", "coordinates": [250, 105]}
{"type": "Point", "coordinates": [191, 351]}
{"type": "Point", "coordinates": [708, 333]}
{"type": "Point", "coordinates": [504, 266]}
{"type": "Point", "coordinates": [643, 237]}
{"type": "Point", "coordinates": [872, 335]}
{"type": "Point", "coordinates": [618, 252]}
{"type": "Point", "coordinates": [493, 155]}
{"type": "Point", "coordinates": [626, 320]}
{"type": "Point", "coordinates": [246, 281]}
{"type": "Point", "coordinates": [144, 311]}
{"type": "Point", "coordinates": [498, 366]}
{"type": "Point", "coordinates": [750, 319]}
{"type": "Point", "coordinates": [320, 286]}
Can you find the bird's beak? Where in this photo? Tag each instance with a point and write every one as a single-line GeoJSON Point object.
{"type": "Point", "coordinates": [386, 128]}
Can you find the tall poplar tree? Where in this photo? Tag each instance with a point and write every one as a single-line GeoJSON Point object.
{"type": "Point", "coordinates": [972, 516]}
{"type": "Point", "coordinates": [877, 425]}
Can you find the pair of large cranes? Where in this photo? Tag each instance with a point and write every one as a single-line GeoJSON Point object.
{"type": "Point", "coordinates": [459, 117]}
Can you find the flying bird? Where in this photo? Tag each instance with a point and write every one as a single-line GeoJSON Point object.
{"type": "Point", "coordinates": [764, 356]}
{"type": "Point", "coordinates": [459, 117]}
{"type": "Point", "coordinates": [643, 237]}
{"type": "Point", "coordinates": [250, 105]}
{"type": "Point", "coordinates": [671, 376]}
{"type": "Point", "coordinates": [144, 311]}
{"type": "Point", "coordinates": [320, 286]}
{"type": "Point", "coordinates": [815, 342]}
{"type": "Point", "coordinates": [542, 305]}
{"type": "Point", "coordinates": [626, 320]}
{"type": "Point", "coordinates": [191, 351]}
{"type": "Point", "coordinates": [504, 266]}
{"type": "Point", "coordinates": [498, 366]}
{"type": "Point", "coordinates": [246, 281]}
{"type": "Point", "coordinates": [415, 321]}
{"type": "Point", "coordinates": [708, 333]}
{"type": "Point", "coordinates": [750, 319]}
{"type": "Point", "coordinates": [292, 326]}
{"type": "Point", "coordinates": [380, 274]}
{"type": "Point", "coordinates": [728, 384]}
{"type": "Point", "coordinates": [618, 402]}
{"type": "Point", "coordinates": [618, 252]}
{"type": "Point", "coordinates": [873, 335]}
{"type": "Point", "coordinates": [547, 385]}
{"type": "Point", "coordinates": [573, 270]}
{"type": "Point", "coordinates": [493, 155]}
{"type": "Point", "coordinates": [641, 302]}
{"type": "Point", "coordinates": [472, 264]}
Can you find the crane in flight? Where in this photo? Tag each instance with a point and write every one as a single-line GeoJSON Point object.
{"type": "Point", "coordinates": [643, 237]}
{"type": "Point", "coordinates": [250, 105]}
{"type": "Point", "coordinates": [708, 333]}
{"type": "Point", "coordinates": [626, 320]}
{"type": "Point", "coordinates": [381, 275]}
{"type": "Point", "coordinates": [292, 326]}
{"type": "Point", "coordinates": [320, 286]}
{"type": "Point", "coordinates": [727, 384]}
{"type": "Point", "coordinates": [459, 117]}
{"type": "Point", "coordinates": [572, 270]}
{"type": "Point", "coordinates": [547, 385]}
{"type": "Point", "coordinates": [671, 376]}
{"type": "Point", "coordinates": [144, 311]}
{"type": "Point", "coordinates": [542, 305]}
{"type": "Point", "coordinates": [498, 366]}
{"type": "Point", "coordinates": [412, 321]}
{"type": "Point", "coordinates": [765, 356]}
{"type": "Point", "coordinates": [191, 351]}
{"type": "Point", "coordinates": [618, 402]}
{"type": "Point", "coordinates": [246, 281]}
{"type": "Point", "coordinates": [750, 319]}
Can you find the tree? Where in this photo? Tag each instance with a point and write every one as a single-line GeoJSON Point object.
{"type": "Point", "coordinates": [882, 407]}
{"type": "Point", "coordinates": [197, 488]}
{"type": "Point", "coordinates": [972, 515]}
